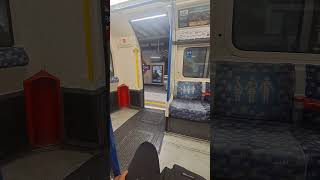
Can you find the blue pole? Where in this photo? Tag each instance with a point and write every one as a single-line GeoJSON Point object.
{"type": "Point", "coordinates": [170, 52]}
{"type": "Point", "coordinates": [113, 152]}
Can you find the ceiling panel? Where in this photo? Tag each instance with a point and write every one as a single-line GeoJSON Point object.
{"type": "Point", "coordinates": [152, 28]}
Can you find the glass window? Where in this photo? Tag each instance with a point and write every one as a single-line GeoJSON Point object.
{"type": "Point", "coordinates": [6, 38]}
{"type": "Point", "coordinates": [195, 62]}
{"type": "Point", "coordinates": [277, 25]}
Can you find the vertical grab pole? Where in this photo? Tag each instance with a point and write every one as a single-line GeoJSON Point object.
{"type": "Point", "coordinates": [171, 21]}
{"type": "Point", "coordinates": [87, 30]}
{"type": "Point", "coordinates": [113, 152]}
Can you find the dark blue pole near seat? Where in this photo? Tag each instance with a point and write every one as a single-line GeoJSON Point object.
{"type": "Point", "coordinates": [171, 20]}
{"type": "Point", "coordinates": [113, 152]}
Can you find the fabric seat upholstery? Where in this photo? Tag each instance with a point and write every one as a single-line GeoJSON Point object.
{"type": "Point", "coordinates": [252, 136]}
{"type": "Point", "coordinates": [188, 104]}
{"type": "Point", "coordinates": [246, 150]}
{"type": "Point", "coordinates": [194, 110]}
{"type": "Point", "coordinates": [310, 143]}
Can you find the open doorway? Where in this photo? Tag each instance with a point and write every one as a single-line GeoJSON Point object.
{"type": "Point", "coordinates": [140, 38]}
{"type": "Point", "coordinates": [152, 32]}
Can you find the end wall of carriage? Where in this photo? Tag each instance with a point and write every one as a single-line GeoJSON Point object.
{"type": "Point", "coordinates": [53, 34]}
{"type": "Point", "coordinates": [126, 54]}
{"type": "Point", "coordinates": [125, 65]}
{"type": "Point", "coordinates": [223, 49]}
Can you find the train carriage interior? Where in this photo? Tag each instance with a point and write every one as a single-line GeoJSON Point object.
{"type": "Point", "coordinates": [159, 89]}
{"type": "Point", "coordinates": [53, 95]}
{"type": "Point", "coordinates": [220, 89]}
{"type": "Point", "coordinates": [265, 123]}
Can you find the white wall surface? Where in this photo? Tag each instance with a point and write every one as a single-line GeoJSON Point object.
{"type": "Point", "coordinates": [52, 33]}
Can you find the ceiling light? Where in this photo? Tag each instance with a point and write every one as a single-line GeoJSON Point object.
{"type": "Point", "coordinates": [114, 2]}
{"type": "Point", "coordinates": [150, 17]}
{"type": "Point", "coordinates": [155, 57]}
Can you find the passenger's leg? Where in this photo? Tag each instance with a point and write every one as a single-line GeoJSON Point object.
{"type": "Point", "coordinates": [145, 164]}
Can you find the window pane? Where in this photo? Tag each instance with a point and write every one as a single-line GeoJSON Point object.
{"type": "Point", "coordinates": [5, 29]}
{"type": "Point", "coordinates": [194, 62]}
{"type": "Point", "coordinates": [276, 25]}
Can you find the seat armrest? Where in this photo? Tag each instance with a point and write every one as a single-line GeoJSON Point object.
{"type": "Point", "coordinates": [308, 103]}
{"type": "Point", "coordinates": [301, 104]}
{"type": "Point", "coordinates": [309, 115]}
{"type": "Point", "coordinates": [206, 94]}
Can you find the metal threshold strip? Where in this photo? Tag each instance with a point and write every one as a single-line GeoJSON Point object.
{"type": "Point", "coordinates": [155, 105]}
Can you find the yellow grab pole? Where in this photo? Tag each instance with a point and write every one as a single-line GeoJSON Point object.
{"type": "Point", "coordinates": [136, 52]}
{"type": "Point", "coordinates": [87, 30]}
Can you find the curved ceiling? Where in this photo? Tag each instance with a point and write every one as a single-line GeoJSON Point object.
{"type": "Point", "coordinates": [152, 29]}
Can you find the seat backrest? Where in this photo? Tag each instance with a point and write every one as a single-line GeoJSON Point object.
{"type": "Point", "coordinates": [189, 90]}
{"type": "Point", "coordinates": [208, 90]}
{"type": "Point", "coordinates": [311, 116]}
{"type": "Point", "coordinates": [313, 81]}
{"type": "Point", "coordinates": [254, 91]}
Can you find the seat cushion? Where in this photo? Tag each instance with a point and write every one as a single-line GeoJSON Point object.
{"type": "Point", "coordinates": [310, 143]}
{"type": "Point", "coordinates": [194, 110]}
{"type": "Point", "coordinates": [254, 91]}
{"type": "Point", "coordinates": [242, 150]}
{"type": "Point", "coordinates": [13, 56]}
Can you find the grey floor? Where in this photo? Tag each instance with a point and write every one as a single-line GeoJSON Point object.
{"type": "Point", "coordinates": [155, 97]}
{"type": "Point", "coordinates": [154, 88]}
{"type": "Point", "coordinates": [145, 126]}
{"type": "Point", "coordinates": [118, 118]}
{"type": "Point", "coordinates": [45, 165]}
{"type": "Point", "coordinates": [192, 154]}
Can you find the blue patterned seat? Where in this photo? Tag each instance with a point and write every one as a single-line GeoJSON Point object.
{"type": "Point", "coordinates": [311, 117]}
{"type": "Point", "coordinates": [313, 81]}
{"type": "Point", "coordinates": [194, 110]}
{"type": "Point", "coordinates": [247, 150]}
{"type": "Point", "coordinates": [208, 90]}
{"type": "Point", "coordinates": [308, 134]}
{"type": "Point", "coordinates": [189, 114]}
{"type": "Point", "coordinates": [252, 123]}
{"type": "Point", "coordinates": [13, 56]}
{"type": "Point", "coordinates": [254, 91]}
{"type": "Point", "coordinates": [310, 142]}
{"type": "Point", "coordinates": [187, 103]}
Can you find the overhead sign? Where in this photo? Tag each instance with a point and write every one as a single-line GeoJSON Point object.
{"type": "Point", "coordinates": [146, 68]}
{"type": "Point", "coordinates": [193, 33]}
{"type": "Point", "coordinates": [189, 54]}
{"type": "Point", "coordinates": [194, 16]}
